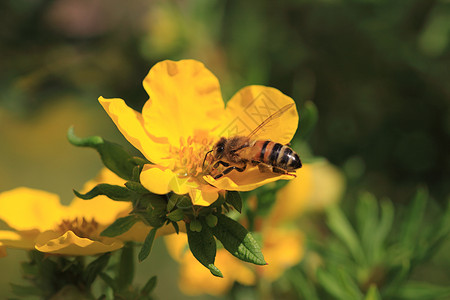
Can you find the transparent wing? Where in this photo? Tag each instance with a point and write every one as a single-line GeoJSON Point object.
{"type": "Point", "coordinates": [269, 122]}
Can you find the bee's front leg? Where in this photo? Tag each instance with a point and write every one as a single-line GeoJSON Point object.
{"type": "Point", "coordinates": [228, 170]}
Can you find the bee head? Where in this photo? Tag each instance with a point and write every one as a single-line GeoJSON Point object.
{"type": "Point", "coordinates": [219, 148]}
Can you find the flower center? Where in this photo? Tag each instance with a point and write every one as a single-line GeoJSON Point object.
{"type": "Point", "coordinates": [190, 155]}
{"type": "Point", "coordinates": [81, 227]}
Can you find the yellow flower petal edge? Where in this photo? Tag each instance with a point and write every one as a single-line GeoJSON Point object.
{"type": "Point", "coordinates": [251, 105]}
{"type": "Point", "coordinates": [185, 96]}
{"type": "Point", "coordinates": [131, 124]}
{"type": "Point", "coordinates": [245, 181]}
{"type": "Point", "coordinates": [19, 240]}
{"type": "Point", "coordinates": [24, 209]}
{"type": "Point", "coordinates": [70, 244]}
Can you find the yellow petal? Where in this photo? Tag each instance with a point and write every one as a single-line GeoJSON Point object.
{"type": "Point", "coordinates": [184, 97]}
{"type": "Point", "coordinates": [2, 250]}
{"type": "Point", "coordinates": [195, 279]}
{"type": "Point", "coordinates": [27, 209]}
{"type": "Point", "coordinates": [283, 248]}
{"type": "Point", "coordinates": [101, 208]}
{"type": "Point", "coordinates": [160, 180]}
{"type": "Point", "coordinates": [131, 125]}
{"type": "Point", "coordinates": [70, 244]}
{"type": "Point", "coordinates": [203, 197]}
{"type": "Point", "coordinates": [19, 240]}
{"type": "Point", "coordinates": [251, 106]}
{"type": "Point", "coordinates": [245, 181]}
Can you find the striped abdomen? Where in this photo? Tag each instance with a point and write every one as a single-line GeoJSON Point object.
{"type": "Point", "coordinates": [277, 155]}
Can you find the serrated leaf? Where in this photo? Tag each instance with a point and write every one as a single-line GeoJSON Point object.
{"type": "Point", "coordinates": [234, 199]}
{"type": "Point", "coordinates": [114, 192]}
{"type": "Point", "coordinates": [237, 240]}
{"type": "Point", "coordinates": [149, 286]}
{"type": "Point", "coordinates": [176, 215]}
{"type": "Point", "coordinates": [94, 269]}
{"type": "Point", "coordinates": [114, 157]}
{"type": "Point", "coordinates": [147, 246]}
{"type": "Point", "coordinates": [203, 247]}
{"type": "Point", "coordinates": [119, 226]}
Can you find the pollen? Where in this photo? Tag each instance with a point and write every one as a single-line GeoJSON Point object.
{"type": "Point", "coordinates": [190, 155]}
{"type": "Point", "coordinates": [80, 226]}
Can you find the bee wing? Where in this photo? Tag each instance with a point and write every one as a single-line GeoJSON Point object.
{"type": "Point", "coordinates": [271, 121]}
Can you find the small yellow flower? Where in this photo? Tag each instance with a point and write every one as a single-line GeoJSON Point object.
{"type": "Point", "coordinates": [39, 221]}
{"type": "Point", "coordinates": [183, 119]}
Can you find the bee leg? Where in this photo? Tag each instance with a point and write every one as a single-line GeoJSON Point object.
{"type": "Point", "coordinates": [282, 171]}
{"type": "Point", "coordinates": [220, 162]}
{"type": "Point", "coordinates": [264, 168]}
{"type": "Point", "coordinates": [228, 170]}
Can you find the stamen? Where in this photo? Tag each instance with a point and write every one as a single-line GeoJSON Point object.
{"type": "Point", "coordinates": [81, 227]}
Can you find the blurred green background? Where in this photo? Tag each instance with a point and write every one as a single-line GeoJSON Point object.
{"type": "Point", "coordinates": [378, 72]}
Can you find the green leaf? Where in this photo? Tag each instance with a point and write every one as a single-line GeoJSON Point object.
{"type": "Point", "coordinates": [126, 267]}
{"type": "Point", "coordinates": [108, 280]}
{"type": "Point", "coordinates": [119, 226]}
{"type": "Point", "coordinates": [421, 290]}
{"type": "Point", "coordinates": [372, 293]}
{"type": "Point", "coordinates": [113, 192]}
{"type": "Point", "coordinates": [94, 269]}
{"type": "Point", "coordinates": [304, 287]}
{"type": "Point", "coordinates": [412, 221]}
{"type": "Point", "coordinates": [176, 227]}
{"type": "Point", "coordinates": [176, 215]}
{"type": "Point", "coordinates": [184, 203]}
{"type": "Point", "coordinates": [149, 286]}
{"type": "Point", "coordinates": [383, 228]}
{"type": "Point", "coordinates": [136, 187]}
{"type": "Point", "coordinates": [234, 199]}
{"type": "Point", "coordinates": [339, 224]}
{"type": "Point", "coordinates": [173, 200]}
{"type": "Point", "coordinates": [25, 290]}
{"type": "Point", "coordinates": [147, 246]}
{"type": "Point", "coordinates": [114, 157]}
{"type": "Point", "coordinates": [203, 247]}
{"type": "Point", "coordinates": [331, 284]}
{"type": "Point", "coordinates": [367, 217]}
{"type": "Point", "coordinates": [237, 240]}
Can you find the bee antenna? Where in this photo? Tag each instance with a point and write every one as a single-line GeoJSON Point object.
{"type": "Point", "coordinates": [205, 157]}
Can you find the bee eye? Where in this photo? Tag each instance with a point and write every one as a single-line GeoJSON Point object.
{"type": "Point", "coordinates": [220, 149]}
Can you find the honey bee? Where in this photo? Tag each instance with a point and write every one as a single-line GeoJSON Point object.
{"type": "Point", "coordinates": [237, 152]}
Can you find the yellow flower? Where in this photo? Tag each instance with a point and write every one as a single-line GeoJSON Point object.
{"type": "Point", "coordinates": [183, 119]}
{"type": "Point", "coordinates": [39, 221]}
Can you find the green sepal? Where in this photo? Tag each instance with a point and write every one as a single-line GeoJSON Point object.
{"type": "Point", "coordinates": [114, 192]}
{"type": "Point", "coordinates": [149, 286]}
{"type": "Point", "coordinates": [176, 215]}
{"type": "Point", "coordinates": [173, 200]}
{"type": "Point", "coordinates": [95, 268]}
{"type": "Point", "coordinates": [119, 226]}
{"type": "Point", "coordinates": [114, 157]}
{"type": "Point", "coordinates": [203, 247]}
{"type": "Point", "coordinates": [237, 240]}
{"type": "Point", "coordinates": [184, 203]}
{"type": "Point", "coordinates": [234, 199]}
{"type": "Point", "coordinates": [147, 246]}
